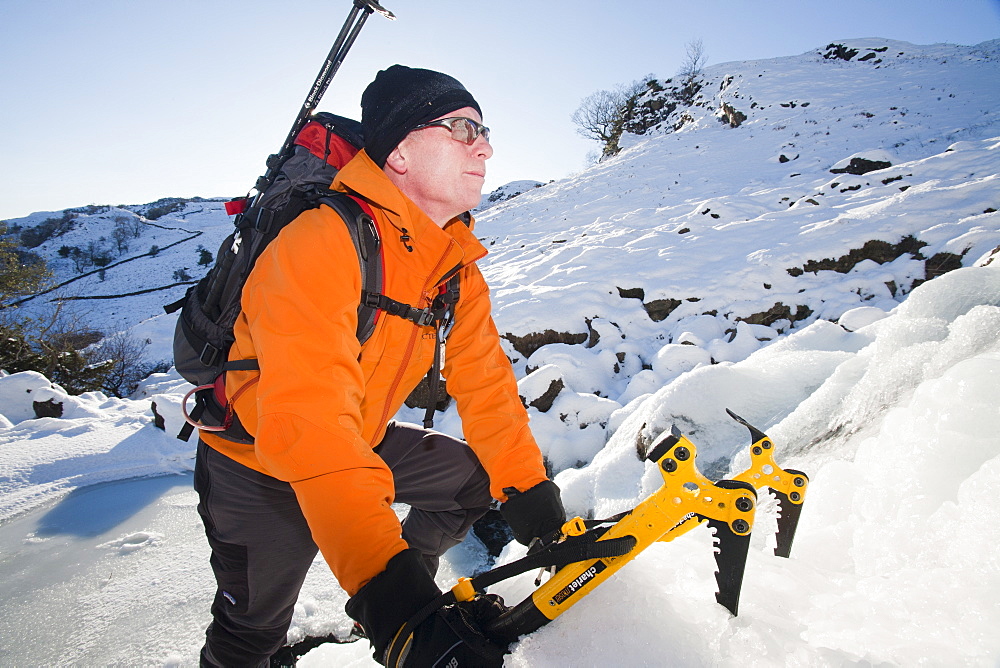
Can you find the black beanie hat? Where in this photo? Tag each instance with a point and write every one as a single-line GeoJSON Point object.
{"type": "Point", "coordinates": [401, 98]}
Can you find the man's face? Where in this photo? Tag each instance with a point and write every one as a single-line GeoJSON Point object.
{"type": "Point", "coordinates": [442, 175]}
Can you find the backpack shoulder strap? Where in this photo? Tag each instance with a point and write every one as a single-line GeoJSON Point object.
{"type": "Point", "coordinates": [360, 222]}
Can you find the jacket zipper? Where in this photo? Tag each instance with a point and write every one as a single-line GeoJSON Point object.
{"type": "Point", "coordinates": [409, 349]}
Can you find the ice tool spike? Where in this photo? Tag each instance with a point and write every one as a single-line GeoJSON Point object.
{"type": "Point", "coordinates": [787, 485]}
{"type": "Point", "coordinates": [727, 506]}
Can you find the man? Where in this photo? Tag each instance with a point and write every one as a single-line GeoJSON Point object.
{"type": "Point", "coordinates": [327, 463]}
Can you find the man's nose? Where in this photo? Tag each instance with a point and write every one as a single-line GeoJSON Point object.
{"type": "Point", "coordinates": [482, 148]}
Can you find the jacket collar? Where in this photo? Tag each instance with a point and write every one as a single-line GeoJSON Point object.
{"type": "Point", "coordinates": [364, 177]}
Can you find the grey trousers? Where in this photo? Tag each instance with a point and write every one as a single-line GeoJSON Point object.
{"type": "Point", "coordinates": [262, 546]}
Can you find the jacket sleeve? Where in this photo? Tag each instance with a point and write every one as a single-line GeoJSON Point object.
{"type": "Point", "coordinates": [302, 316]}
{"type": "Point", "coordinates": [481, 379]}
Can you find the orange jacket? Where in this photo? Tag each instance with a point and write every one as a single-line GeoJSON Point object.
{"type": "Point", "coordinates": [323, 401]}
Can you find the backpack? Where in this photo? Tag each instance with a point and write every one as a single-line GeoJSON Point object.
{"type": "Point", "coordinates": [208, 311]}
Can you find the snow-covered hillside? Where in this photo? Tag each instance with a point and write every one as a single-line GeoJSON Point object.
{"type": "Point", "coordinates": [147, 262]}
{"type": "Point", "coordinates": [810, 241]}
{"type": "Point", "coordinates": [704, 235]}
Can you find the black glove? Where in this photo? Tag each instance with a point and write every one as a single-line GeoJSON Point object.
{"type": "Point", "coordinates": [535, 513]}
{"type": "Point", "coordinates": [393, 596]}
{"type": "Point", "coordinates": [452, 636]}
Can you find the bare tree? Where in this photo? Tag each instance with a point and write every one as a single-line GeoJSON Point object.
{"type": "Point", "coordinates": [54, 344]}
{"type": "Point", "coordinates": [598, 115]}
{"type": "Point", "coordinates": [694, 60]}
{"type": "Point", "coordinates": [120, 235]}
{"type": "Point", "coordinates": [125, 357]}
{"type": "Point", "coordinates": [602, 114]}
{"type": "Point", "coordinates": [81, 262]}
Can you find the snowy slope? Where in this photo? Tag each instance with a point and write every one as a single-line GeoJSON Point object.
{"type": "Point", "coordinates": [709, 265]}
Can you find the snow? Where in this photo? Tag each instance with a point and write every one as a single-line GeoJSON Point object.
{"type": "Point", "coordinates": [882, 386]}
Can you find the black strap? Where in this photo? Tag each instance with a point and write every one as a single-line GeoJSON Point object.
{"type": "Point", "coordinates": [175, 306]}
{"type": "Point", "coordinates": [560, 554]}
{"type": "Point", "coordinates": [364, 235]}
{"type": "Point", "coordinates": [444, 308]}
{"type": "Point", "coordinates": [185, 433]}
{"type": "Point", "coordinates": [572, 550]}
{"type": "Point", "coordinates": [242, 365]}
{"type": "Point", "coordinates": [590, 524]}
{"type": "Point", "coordinates": [423, 317]}
{"type": "Point", "coordinates": [433, 380]}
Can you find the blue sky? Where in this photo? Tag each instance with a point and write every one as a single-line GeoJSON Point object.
{"type": "Point", "coordinates": [124, 102]}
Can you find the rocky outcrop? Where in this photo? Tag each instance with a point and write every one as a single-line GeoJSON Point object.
{"type": "Point", "coordinates": [658, 309]}
{"type": "Point", "coordinates": [47, 408]}
{"type": "Point", "coordinates": [544, 402]}
{"type": "Point", "coordinates": [777, 313]}
{"type": "Point", "coordinates": [882, 252]}
{"type": "Point", "coordinates": [859, 166]}
{"type": "Point", "coordinates": [846, 53]}
{"type": "Point", "coordinates": [529, 343]}
{"type": "Point", "coordinates": [732, 116]}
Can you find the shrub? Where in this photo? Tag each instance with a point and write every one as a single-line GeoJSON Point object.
{"type": "Point", "coordinates": [58, 355]}
{"type": "Point", "coordinates": [90, 209]}
{"type": "Point", "coordinates": [129, 223]}
{"type": "Point", "coordinates": [124, 357]}
{"type": "Point", "coordinates": [204, 256]}
{"type": "Point", "coordinates": [32, 237]}
{"type": "Point", "coordinates": [97, 255]}
{"type": "Point", "coordinates": [694, 61]}
{"type": "Point", "coordinates": [81, 261]}
{"type": "Point", "coordinates": [162, 207]}
{"type": "Point", "coordinates": [21, 273]}
{"type": "Point", "coordinates": [65, 354]}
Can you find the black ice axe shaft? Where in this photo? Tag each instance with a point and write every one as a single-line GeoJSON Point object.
{"type": "Point", "coordinates": [348, 33]}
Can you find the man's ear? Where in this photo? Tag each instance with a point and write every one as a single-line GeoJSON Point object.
{"type": "Point", "coordinates": [396, 161]}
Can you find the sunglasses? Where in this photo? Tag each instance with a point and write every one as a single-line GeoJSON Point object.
{"type": "Point", "coordinates": [462, 129]}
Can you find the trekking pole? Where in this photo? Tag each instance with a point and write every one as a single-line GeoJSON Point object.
{"type": "Point", "coordinates": [348, 33]}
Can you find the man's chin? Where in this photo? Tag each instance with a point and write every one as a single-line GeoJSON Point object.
{"type": "Point", "coordinates": [474, 199]}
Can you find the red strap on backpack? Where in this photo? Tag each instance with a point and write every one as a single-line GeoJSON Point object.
{"type": "Point", "coordinates": [236, 206]}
